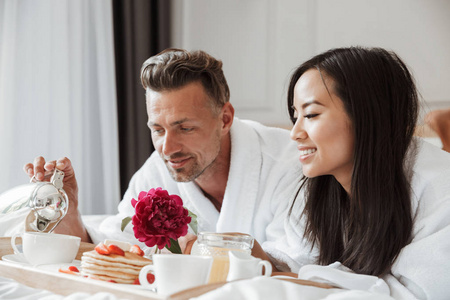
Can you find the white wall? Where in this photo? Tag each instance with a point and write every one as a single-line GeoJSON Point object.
{"type": "Point", "coordinates": [262, 41]}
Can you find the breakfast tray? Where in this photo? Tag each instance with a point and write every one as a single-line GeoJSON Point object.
{"type": "Point", "coordinates": [65, 284]}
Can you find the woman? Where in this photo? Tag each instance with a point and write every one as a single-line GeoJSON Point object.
{"type": "Point", "coordinates": [373, 197]}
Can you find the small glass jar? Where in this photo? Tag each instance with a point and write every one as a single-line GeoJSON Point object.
{"type": "Point", "coordinates": [218, 245]}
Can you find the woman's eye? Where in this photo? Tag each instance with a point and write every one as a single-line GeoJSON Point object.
{"type": "Point", "coordinates": [310, 116]}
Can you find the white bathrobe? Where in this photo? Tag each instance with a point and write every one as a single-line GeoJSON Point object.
{"type": "Point", "coordinates": [422, 270]}
{"type": "Point", "coordinates": [263, 173]}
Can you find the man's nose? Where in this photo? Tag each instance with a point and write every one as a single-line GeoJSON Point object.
{"type": "Point", "coordinates": [171, 144]}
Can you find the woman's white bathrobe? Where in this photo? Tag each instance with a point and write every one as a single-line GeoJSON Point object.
{"type": "Point", "coordinates": [422, 270]}
{"type": "Point", "coordinates": [263, 173]}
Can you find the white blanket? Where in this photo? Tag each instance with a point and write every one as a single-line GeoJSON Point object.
{"type": "Point", "coordinates": [269, 288]}
{"type": "Point", "coordinates": [422, 270]}
{"type": "Point", "coordinates": [263, 173]}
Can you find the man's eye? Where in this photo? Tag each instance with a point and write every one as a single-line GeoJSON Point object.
{"type": "Point", "coordinates": [187, 129]}
{"type": "Point", "coordinates": [310, 116]}
{"type": "Point", "coordinates": [157, 131]}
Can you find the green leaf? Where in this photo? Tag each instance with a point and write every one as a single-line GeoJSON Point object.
{"type": "Point", "coordinates": [174, 247]}
{"type": "Point", "coordinates": [125, 222]}
{"type": "Point", "coordinates": [193, 223]}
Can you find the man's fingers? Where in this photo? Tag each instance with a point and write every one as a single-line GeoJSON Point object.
{"type": "Point", "coordinates": [50, 165]}
{"type": "Point", "coordinates": [64, 164]}
{"type": "Point", "coordinates": [39, 167]}
{"type": "Point", "coordinates": [28, 168]}
{"type": "Point", "coordinates": [188, 248]}
{"type": "Point", "coordinates": [43, 170]}
{"type": "Point", "coordinates": [186, 242]}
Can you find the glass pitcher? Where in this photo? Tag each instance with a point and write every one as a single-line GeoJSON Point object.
{"type": "Point", "coordinates": [41, 205]}
{"type": "Point", "coordinates": [218, 245]}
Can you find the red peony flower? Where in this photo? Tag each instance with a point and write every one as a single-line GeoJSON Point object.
{"type": "Point", "coordinates": [159, 218]}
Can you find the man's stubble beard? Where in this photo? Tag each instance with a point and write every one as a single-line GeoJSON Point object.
{"type": "Point", "coordinates": [183, 175]}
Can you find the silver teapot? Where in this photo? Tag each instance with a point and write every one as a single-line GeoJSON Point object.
{"type": "Point", "coordinates": [40, 204]}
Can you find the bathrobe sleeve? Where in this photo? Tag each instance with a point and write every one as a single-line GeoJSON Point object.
{"type": "Point", "coordinates": [423, 266]}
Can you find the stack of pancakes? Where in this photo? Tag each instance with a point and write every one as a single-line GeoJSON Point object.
{"type": "Point", "coordinates": [113, 267]}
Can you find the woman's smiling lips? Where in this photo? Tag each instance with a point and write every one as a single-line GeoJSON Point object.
{"type": "Point", "coordinates": [306, 152]}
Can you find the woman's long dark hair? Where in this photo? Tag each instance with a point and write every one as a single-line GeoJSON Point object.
{"type": "Point", "coordinates": [366, 230]}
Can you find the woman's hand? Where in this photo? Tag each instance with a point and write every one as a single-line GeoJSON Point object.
{"type": "Point", "coordinates": [257, 251]}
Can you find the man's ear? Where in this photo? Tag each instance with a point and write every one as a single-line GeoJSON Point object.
{"type": "Point", "coordinates": [227, 117]}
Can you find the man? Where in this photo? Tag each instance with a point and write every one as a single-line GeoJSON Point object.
{"type": "Point", "coordinates": [232, 174]}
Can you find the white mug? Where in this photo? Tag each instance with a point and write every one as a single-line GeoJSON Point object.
{"type": "Point", "coordinates": [176, 272]}
{"type": "Point", "coordinates": [243, 265]}
{"type": "Point", "coordinates": [41, 248]}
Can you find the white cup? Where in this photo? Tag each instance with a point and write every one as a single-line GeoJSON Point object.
{"type": "Point", "coordinates": [176, 272]}
{"type": "Point", "coordinates": [243, 265]}
{"type": "Point", "coordinates": [41, 248]}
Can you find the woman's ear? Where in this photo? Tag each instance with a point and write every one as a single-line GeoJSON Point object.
{"type": "Point", "coordinates": [227, 116]}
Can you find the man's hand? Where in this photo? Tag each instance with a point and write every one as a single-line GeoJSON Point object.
{"type": "Point", "coordinates": [186, 243]}
{"type": "Point", "coordinates": [71, 224]}
{"type": "Point", "coordinates": [42, 171]}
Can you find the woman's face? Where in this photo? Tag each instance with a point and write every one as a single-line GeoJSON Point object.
{"type": "Point", "coordinates": [323, 130]}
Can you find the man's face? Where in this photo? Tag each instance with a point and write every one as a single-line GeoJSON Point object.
{"type": "Point", "coordinates": [185, 131]}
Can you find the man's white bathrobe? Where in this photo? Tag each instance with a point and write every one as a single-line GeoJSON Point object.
{"type": "Point", "coordinates": [263, 173]}
{"type": "Point", "coordinates": [422, 270]}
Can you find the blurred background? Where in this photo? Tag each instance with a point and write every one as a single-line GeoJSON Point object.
{"type": "Point", "coordinates": [69, 70]}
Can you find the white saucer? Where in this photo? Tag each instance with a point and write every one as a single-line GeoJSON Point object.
{"type": "Point", "coordinates": [20, 259]}
{"type": "Point", "coordinates": [15, 258]}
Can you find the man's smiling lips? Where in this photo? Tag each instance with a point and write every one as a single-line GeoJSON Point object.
{"type": "Point", "coordinates": [178, 163]}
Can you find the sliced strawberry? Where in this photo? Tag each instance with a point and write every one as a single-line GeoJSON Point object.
{"type": "Point", "coordinates": [112, 281]}
{"type": "Point", "coordinates": [150, 278]}
{"type": "Point", "coordinates": [102, 249]}
{"type": "Point", "coordinates": [137, 250]}
{"type": "Point", "coordinates": [136, 281]}
{"type": "Point", "coordinates": [114, 249]}
{"type": "Point", "coordinates": [67, 271]}
{"type": "Point", "coordinates": [73, 269]}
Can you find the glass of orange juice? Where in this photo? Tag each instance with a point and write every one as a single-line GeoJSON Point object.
{"type": "Point", "coordinates": [218, 245]}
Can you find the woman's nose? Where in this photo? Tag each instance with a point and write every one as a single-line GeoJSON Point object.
{"type": "Point", "coordinates": [298, 132]}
